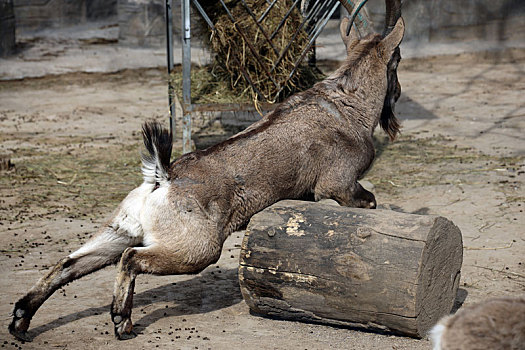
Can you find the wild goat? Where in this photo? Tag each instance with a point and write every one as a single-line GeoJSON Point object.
{"type": "Point", "coordinates": [316, 144]}
{"type": "Point", "coordinates": [497, 323]}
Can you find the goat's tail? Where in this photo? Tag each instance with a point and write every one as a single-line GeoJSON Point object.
{"type": "Point", "coordinates": [156, 162]}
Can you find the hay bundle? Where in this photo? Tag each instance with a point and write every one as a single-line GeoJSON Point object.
{"type": "Point", "coordinates": [243, 51]}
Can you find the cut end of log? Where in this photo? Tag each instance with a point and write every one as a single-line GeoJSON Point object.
{"type": "Point", "coordinates": [440, 273]}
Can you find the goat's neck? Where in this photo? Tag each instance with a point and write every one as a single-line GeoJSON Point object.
{"type": "Point", "coordinates": [360, 103]}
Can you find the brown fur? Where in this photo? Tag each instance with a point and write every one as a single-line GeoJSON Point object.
{"type": "Point", "coordinates": [497, 323]}
{"type": "Point", "coordinates": [316, 144]}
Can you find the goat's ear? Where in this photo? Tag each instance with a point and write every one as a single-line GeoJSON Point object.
{"type": "Point", "coordinates": [347, 39]}
{"type": "Point", "coordinates": [392, 40]}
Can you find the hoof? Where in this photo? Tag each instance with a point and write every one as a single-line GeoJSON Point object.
{"type": "Point", "coordinates": [18, 328]}
{"type": "Point", "coordinates": [123, 328]}
{"type": "Point", "coordinates": [126, 336]}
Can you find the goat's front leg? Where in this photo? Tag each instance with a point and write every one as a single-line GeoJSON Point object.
{"type": "Point", "coordinates": [352, 195]}
{"type": "Point", "coordinates": [155, 259]}
{"type": "Point", "coordinates": [362, 198]}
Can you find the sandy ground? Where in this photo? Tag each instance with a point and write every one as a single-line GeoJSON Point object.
{"type": "Point", "coordinates": [74, 141]}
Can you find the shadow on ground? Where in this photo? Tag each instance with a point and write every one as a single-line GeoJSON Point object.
{"type": "Point", "coordinates": [193, 296]}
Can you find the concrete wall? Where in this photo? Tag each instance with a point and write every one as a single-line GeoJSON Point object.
{"type": "Point", "coordinates": [453, 20]}
{"type": "Point", "coordinates": [7, 28]}
{"type": "Point", "coordinates": [141, 22]}
{"type": "Point", "coordinates": [40, 14]}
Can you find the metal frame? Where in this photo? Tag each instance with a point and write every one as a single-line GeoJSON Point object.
{"type": "Point", "coordinates": [314, 21]}
{"type": "Point", "coordinates": [169, 55]}
{"type": "Point", "coordinates": [186, 76]}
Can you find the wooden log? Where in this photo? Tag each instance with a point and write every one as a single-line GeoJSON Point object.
{"type": "Point", "coordinates": [377, 269]}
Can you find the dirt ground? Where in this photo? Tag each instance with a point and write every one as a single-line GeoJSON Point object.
{"type": "Point", "coordinates": [74, 141]}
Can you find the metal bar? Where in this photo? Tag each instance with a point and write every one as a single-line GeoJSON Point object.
{"type": "Point", "coordinates": [354, 13]}
{"type": "Point", "coordinates": [284, 19]}
{"type": "Point", "coordinates": [318, 23]}
{"type": "Point", "coordinates": [259, 26]}
{"type": "Point", "coordinates": [311, 18]}
{"type": "Point", "coordinates": [314, 26]}
{"type": "Point", "coordinates": [231, 107]}
{"type": "Point", "coordinates": [186, 76]}
{"type": "Point", "coordinates": [323, 23]}
{"type": "Point", "coordinates": [315, 10]}
{"type": "Point", "coordinates": [265, 13]}
{"type": "Point", "coordinates": [248, 42]}
{"type": "Point", "coordinates": [363, 23]}
{"type": "Point", "coordinates": [283, 53]}
{"type": "Point", "coordinates": [312, 40]}
{"type": "Point", "coordinates": [203, 14]}
{"type": "Point", "coordinates": [169, 54]}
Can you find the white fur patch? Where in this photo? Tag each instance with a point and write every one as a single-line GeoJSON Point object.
{"type": "Point", "coordinates": [149, 170]}
{"type": "Point", "coordinates": [127, 220]}
{"type": "Point", "coordinates": [436, 333]}
{"type": "Point", "coordinates": [155, 202]}
{"type": "Point", "coordinates": [153, 171]}
{"type": "Point", "coordinates": [107, 243]}
{"type": "Point", "coordinates": [132, 223]}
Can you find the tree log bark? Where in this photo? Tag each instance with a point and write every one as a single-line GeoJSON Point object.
{"type": "Point", "coordinates": [376, 269]}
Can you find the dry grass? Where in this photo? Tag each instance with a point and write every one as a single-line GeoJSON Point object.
{"type": "Point", "coordinates": [209, 88]}
{"type": "Point", "coordinates": [83, 181]}
{"type": "Point", "coordinates": [411, 162]}
{"type": "Point", "coordinates": [234, 52]}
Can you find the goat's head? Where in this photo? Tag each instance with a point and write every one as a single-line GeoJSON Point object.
{"type": "Point", "coordinates": [385, 47]}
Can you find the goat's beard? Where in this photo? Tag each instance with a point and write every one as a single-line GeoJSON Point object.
{"type": "Point", "coordinates": [388, 121]}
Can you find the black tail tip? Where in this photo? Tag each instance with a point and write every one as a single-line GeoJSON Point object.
{"type": "Point", "coordinates": [158, 141]}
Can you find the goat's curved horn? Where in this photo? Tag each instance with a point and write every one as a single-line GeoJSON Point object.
{"type": "Point", "coordinates": [353, 10]}
{"type": "Point", "coordinates": [393, 12]}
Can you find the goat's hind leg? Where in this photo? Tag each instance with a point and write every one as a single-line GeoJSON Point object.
{"type": "Point", "coordinates": [102, 250]}
{"type": "Point", "coordinates": [155, 259]}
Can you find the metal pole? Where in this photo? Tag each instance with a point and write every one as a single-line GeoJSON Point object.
{"type": "Point", "coordinates": [169, 54]}
{"type": "Point", "coordinates": [186, 78]}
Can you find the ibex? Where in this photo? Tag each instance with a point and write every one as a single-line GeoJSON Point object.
{"type": "Point", "coordinates": [497, 323]}
{"type": "Point", "coordinates": [317, 144]}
